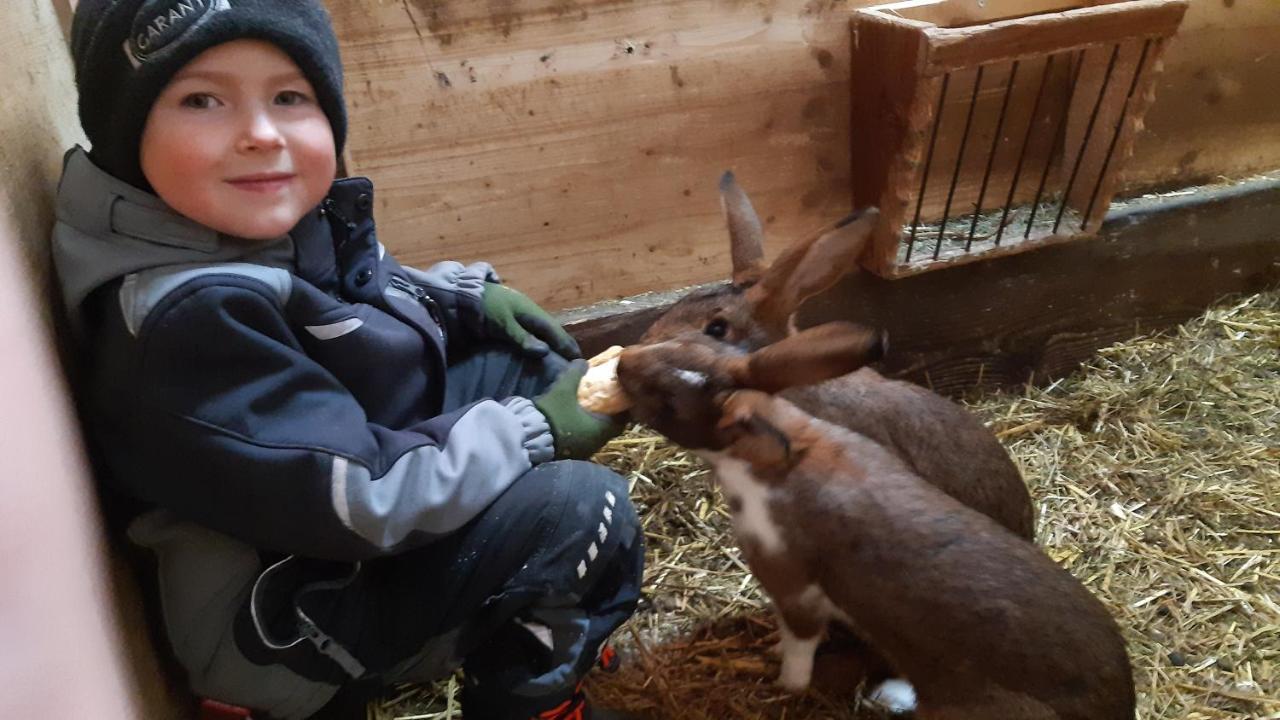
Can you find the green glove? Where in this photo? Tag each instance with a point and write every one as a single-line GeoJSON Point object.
{"type": "Point", "coordinates": [511, 316]}
{"type": "Point", "coordinates": [578, 433]}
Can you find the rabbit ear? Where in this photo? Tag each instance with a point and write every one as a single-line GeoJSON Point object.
{"type": "Point", "coordinates": [754, 438]}
{"type": "Point", "coordinates": [811, 356]}
{"type": "Point", "coordinates": [809, 267]}
{"type": "Point", "coordinates": [746, 236]}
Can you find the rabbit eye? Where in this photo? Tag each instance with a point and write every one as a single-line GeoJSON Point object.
{"type": "Point", "coordinates": [717, 328]}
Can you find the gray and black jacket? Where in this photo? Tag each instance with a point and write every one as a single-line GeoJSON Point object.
{"type": "Point", "coordinates": [287, 394]}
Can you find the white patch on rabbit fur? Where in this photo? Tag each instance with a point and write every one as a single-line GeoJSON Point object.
{"type": "Point", "coordinates": [692, 377]}
{"type": "Point", "coordinates": [797, 658]}
{"type": "Point", "coordinates": [752, 522]}
{"type": "Point", "coordinates": [895, 695]}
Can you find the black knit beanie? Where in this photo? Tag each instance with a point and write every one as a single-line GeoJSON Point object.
{"type": "Point", "coordinates": [126, 51]}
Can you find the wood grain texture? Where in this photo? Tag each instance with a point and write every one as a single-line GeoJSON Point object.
{"type": "Point", "coordinates": [893, 110]}
{"type": "Point", "coordinates": [581, 155]}
{"type": "Point", "coordinates": [38, 122]}
{"type": "Point", "coordinates": [1216, 111]}
{"type": "Point", "coordinates": [608, 188]}
{"type": "Point", "coordinates": [954, 48]}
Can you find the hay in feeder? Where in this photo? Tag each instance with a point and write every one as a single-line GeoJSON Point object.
{"type": "Point", "coordinates": [1025, 223]}
{"type": "Point", "coordinates": [1156, 474]}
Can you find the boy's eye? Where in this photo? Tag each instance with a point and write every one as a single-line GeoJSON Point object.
{"type": "Point", "coordinates": [200, 101]}
{"type": "Point", "coordinates": [291, 97]}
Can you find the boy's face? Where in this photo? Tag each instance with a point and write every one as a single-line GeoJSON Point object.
{"type": "Point", "coordinates": [237, 142]}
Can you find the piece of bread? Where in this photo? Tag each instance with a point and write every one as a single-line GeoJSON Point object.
{"type": "Point", "coordinates": [599, 390]}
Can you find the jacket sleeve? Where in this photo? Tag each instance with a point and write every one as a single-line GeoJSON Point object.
{"type": "Point", "coordinates": [237, 428]}
{"type": "Point", "coordinates": [458, 290]}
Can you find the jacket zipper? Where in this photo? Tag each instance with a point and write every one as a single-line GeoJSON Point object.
{"type": "Point", "coordinates": [329, 208]}
{"type": "Point", "coordinates": [423, 298]}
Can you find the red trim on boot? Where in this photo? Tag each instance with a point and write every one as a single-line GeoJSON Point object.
{"type": "Point", "coordinates": [214, 710]}
{"type": "Point", "coordinates": [609, 660]}
{"type": "Point", "coordinates": [574, 708]}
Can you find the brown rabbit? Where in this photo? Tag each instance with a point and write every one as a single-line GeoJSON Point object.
{"type": "Point", "coordinates": [982, 624]}
{"type": "Point", "coordinates": [937, 439]}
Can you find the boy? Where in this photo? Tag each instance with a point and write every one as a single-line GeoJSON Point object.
{"type": "Point", "coordinates": [351, 473]}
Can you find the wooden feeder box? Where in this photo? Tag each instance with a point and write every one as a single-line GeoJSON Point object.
{"type": "Point", "coordinates": [984, 127]}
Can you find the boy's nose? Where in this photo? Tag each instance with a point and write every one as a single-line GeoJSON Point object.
{"type": "Point", "coordinates": [261, 133]}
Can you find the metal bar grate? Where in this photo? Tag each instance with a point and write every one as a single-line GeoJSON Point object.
{"type": "Point", "coordinates": [928, 162]}
{"type": "Point", "coordinates": [991, 156]}
{"type": "Point", "coordinates": [1115, 136]}
{"type": "Point", "coordinates": [1026, 142]}
{"type": "Point", "coordinates": [1088, 135]}
{"type": "Point", "coordinates": [955, 175]}
{"type": "Point", "coordinates": [1060, 136]}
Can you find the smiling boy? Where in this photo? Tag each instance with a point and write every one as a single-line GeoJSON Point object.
{"type": "Point", "coordinates": [350, 473]}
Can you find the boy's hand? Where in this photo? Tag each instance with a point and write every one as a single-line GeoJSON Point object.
{"type": "Point", "coordinates": [578, 433]}
{"type": "Point", "coordinates": [511, 316]}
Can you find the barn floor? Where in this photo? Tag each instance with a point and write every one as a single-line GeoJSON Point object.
{"type": "Point", "coordinates": [1156, 473]}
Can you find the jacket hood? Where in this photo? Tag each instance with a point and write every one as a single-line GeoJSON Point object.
{"type": "Point", "coordinates": [106, 229]}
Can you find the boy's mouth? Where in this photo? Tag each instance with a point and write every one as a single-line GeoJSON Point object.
{"type": "Point", "coordinates": [261, 182]}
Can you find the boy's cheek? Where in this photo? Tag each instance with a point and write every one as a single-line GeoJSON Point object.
{"type": "Point", "coordinates": [314, 153]}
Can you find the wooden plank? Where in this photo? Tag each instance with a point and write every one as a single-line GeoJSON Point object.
{"type": "Point", "coordinates": [893, 112]}
{"type": "Point", "coordinates": [958, 13]}
{"type": "Point", "coordinates": [954, 48]}
{"type": "Point", "coordinates": [583, 159]}
{"type": "Point", "coordinates": [1215, 111]}
{"type": "Point", "coordinates": [1034, 317]}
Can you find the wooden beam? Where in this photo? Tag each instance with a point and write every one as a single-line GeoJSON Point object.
{"type": "Point", "coordinates": [954, 48]}
{"type": "Point", "coordinates": [958, 13]}
{"type": "Point", "coordinates": [1034, 317]}
{"type": "Point", "coordinates": [888, 146]}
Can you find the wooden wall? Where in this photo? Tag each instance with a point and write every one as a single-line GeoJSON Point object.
{"type": "Point", "coordinates": [37, 123]}
{"type": "Point", "coordinates": [1217, 112]}
{"type": "Point", "coordinates": [577, 143]}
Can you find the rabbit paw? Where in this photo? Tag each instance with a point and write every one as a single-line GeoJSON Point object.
{"type": "Point", "coordinates": [797, 661]}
